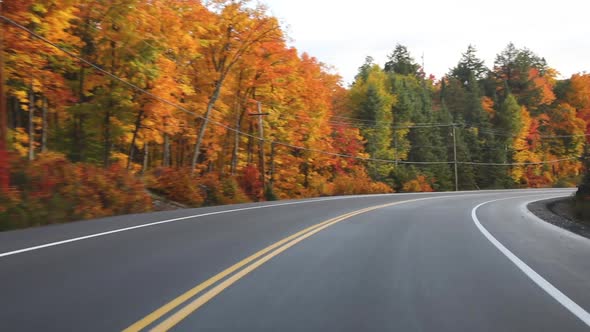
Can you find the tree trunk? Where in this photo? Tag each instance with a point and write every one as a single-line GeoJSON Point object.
{"type": "Point", "coordinates": [44, 126]}
{"type": "Point", "coordinates": [146, 152]}
{"type": "Point", "coordinates": [166, 157]}
{"type": "Point", "coordinates": [175, 153]}
{"type": "Point", "coordinates": [31, 124]}
{"type": "Point", "coordinates": [271, 181]}
{"type": "Point", "coordinates": [261, 157]}
{"type": "Point", "coordinates": [4, 165]}
{"type": "Point", "coordinates": [55, 120]}
{"type": "Point", "coordinates": [306, 174]}
{"type": "Point", "coordinates": [79, 139]}
{"type": "Point", "coordinates": [234, 157]}
{"type": "Point", "coordinates": [250, 143]}
{"type": "Point", "coordinates": [201, 134]}
{"type": "Point", "coordinates": [134, 138]}
{"type": "Point", "coordinates": [181, 152]}
{"type": "Point", "coordinates": [107, 138]}
{"type": "Point", "coordinates": [222, 157]}
{"type": "Point", "coordinates": [17, 114]}
{"type": "Point", "coordinates": [9, 113]}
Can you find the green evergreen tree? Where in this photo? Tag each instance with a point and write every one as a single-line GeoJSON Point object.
{"type": "Point", "coordinates": [508, 118]}
{"type": "Point", "coordinates": [474, 113]}
{"type": "Point", "coordinates": [364, 70]}
{"type": "Point", "coordinates": [465, 139]}
{"type": "Point", "coordinates": [372, 101]}
{"type": "Point", "coordinates": [513, 66]}
{"type": "Point", "coordinates": [455, 97]}
{"type": "Point", "coordinates": [469, 65]}
{"type": "Point", "coordinates": [505, 63]}
{"type": "Point", "coordinates": [401, 62]}
{"type": "Point", "coordinates": [427, 145]}
{"type": "Point", "coordinates": [444, 150]}
{"type": "Point", "coordinates": [508, 124]}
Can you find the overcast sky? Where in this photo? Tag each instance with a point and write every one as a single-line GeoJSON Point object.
{"type": "Point", "coordinates": [342, 33]}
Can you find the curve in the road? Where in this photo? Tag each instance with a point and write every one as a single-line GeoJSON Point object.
{"type": "Point", "coordinates": [256, 261]}
{"type": "Point", "coordinates": [167, 221]}
{"type": "Point", "coordinates": [125, 229]}
{"type": "Point", "coordinates": [555, 293]}
{"type": "Point", "coordinates": [419, 266]}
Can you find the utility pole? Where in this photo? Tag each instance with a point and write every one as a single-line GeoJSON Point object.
{"type": "Point", "coordinates": [395, 147]}
{"type": "Point", "coordinates": [272, 166]}
{"type": "Point", "coordinates": [261, 157]}
{"type": "Point", "coordinates": [4, 176]}
{"type": "Point", "coordinates": [455, 158]}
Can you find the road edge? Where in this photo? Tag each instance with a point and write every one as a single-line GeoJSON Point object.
{"type": "Point", "coordinates": [535, 277]}
{"type": "Point", "coordinates": [541, 210]}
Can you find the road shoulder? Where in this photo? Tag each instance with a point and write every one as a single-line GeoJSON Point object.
{"type": "Point", "coordinates": [551, 211]}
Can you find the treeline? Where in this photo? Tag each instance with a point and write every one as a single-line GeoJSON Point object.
{"type": "Point", "coordinates": [169, 89]}
{"type": "Point", "coordinates": [512, 125]}
{"type": "Point", "coordinates": [207, 104]}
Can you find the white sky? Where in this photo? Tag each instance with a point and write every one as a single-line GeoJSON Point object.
{"type": "Point", "coordinates": [342, 33]}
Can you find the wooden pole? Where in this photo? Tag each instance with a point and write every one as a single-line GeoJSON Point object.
{"type": "Point", "coordinates": [455, 159]}
{"type": "Point", "coordinates": [4, 169]}
{"type": "Point", "coordinates": [261, 154]}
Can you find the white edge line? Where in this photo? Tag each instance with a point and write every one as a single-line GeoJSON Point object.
{"type": "Point", "coordinates": [570, 305]}
{"type": "Point", "coordinates": [80, 238]}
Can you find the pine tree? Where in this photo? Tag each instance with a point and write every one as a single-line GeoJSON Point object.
{"type": "Point", "coordinates": [508, 118]}
{"type": "Point", "coordinates": [372, 101]}
{"type": "Point", "coordinates": [401, 62]}
{"type": "Point", "coordinates": [513, 68]}
{"type": "Point", "coordinates": [464, 140]}
{"type": "Point", "coordinates": [443, 149]}
{"type": "Point", "coordinates": [429, 146]}
{"type": "Point", "coordinates": [364, 70]}
{"type": "Point", "coordinates": [469, 65]}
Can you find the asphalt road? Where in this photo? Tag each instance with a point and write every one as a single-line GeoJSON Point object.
{"type": "Point", "coordinates": [407, 262]}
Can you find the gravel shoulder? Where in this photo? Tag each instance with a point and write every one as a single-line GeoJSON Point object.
{"type": "Point", "coordinates": [557, 212]}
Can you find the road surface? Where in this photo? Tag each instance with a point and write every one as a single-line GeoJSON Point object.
{"type": "Point", "coordinates": [467, 261]}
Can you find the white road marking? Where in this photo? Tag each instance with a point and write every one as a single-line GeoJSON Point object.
{"type": "Point", "coordinates": [57, 243]}
{"type": "Point", "coordinates": [570, 305]}
{"type": "Point", "coordinates": [90, 236]}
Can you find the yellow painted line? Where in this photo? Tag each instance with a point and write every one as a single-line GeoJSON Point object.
{"type": "Point", "coordinates": [201, 300]}
{"type": "Point", "coordinates": [155, 315]}
{"type": "Point", "coordinates": [282, 245]}
{"type": "Point", "coordinates": [191, 307]}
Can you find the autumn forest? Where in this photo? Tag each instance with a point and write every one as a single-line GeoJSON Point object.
{"type": "Point", "coordinates": [112, 105]}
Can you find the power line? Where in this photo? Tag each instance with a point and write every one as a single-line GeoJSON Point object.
{"type": "Point", "coordinates": [520, 164]}
{"type": "Point", "coordinates": [359, 126]}
{"type": "Point", "coordinates": [499, 133]}
{"type": "Point", "coordinates": [492, 131]}
{"type": "Point", "coordinates": [373, 121]}
{"type": "Point", "coordinates": [179, 107]}
{"type": "Point", "coordinates": [167, 102]}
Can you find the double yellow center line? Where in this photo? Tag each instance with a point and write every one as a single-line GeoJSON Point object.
{"type": "Point", "coordinates": [256, 261]}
